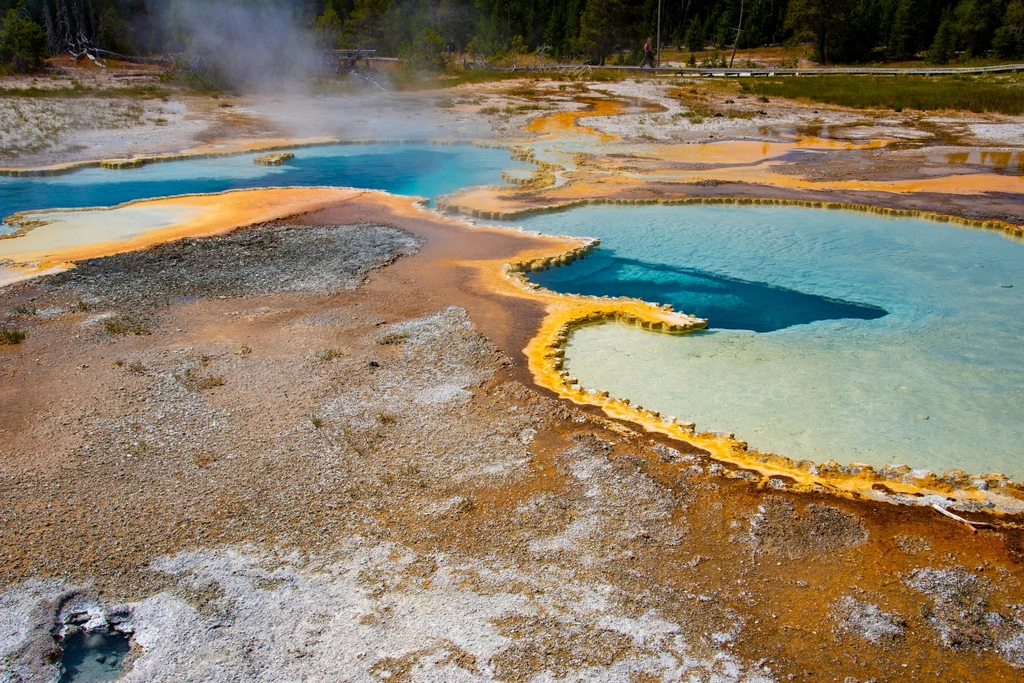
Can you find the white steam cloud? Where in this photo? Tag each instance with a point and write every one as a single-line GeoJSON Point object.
{"type": "Point", "coordinates": [245, 43]}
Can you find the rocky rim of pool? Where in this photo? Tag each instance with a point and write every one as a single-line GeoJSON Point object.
{"type": "Point", "coordinates": [545, 354]}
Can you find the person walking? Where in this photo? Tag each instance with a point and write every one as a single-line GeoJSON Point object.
{"type": "Point", "coordinates": [648, 59]}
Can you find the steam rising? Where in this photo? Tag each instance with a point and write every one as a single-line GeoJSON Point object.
{"type": "Point", "coordinates": [241, 43]}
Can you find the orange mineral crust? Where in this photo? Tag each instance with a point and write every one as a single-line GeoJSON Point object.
{"type": "Point", "coordinates": [303, 424]}
{"type": "Point", "coordinates": [567, 122]}
{"type": "Point", "coordinates": [562, 313]}
{"type": "Point", "coordinates": [501, 203]}
{"type": "Point", "coordinates": [506, 277]}
{"type": "Point", "coordinates": [50, 238]}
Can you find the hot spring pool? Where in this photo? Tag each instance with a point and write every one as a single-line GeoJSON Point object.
{"type": "Point", "coordinates": [421, 170]}
{"type": "Point", "coordinates": [832, 335]}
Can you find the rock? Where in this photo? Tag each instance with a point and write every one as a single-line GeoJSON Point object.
{"type": "Point", "coordinates": [276, 159]}
{"type": "Point", "coordinates": [868, 621]}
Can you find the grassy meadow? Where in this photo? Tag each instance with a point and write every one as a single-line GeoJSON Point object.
{"type": "Point", "coordinates": [979, 94]}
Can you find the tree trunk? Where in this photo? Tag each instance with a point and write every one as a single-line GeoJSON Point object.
{"type": "Point", "coordinates": [822, 41]}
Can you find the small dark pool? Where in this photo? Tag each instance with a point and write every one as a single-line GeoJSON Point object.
{"type": "Point", "coordinates": [93, 657]}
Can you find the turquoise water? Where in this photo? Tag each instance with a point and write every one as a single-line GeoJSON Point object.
{"type": "Point", "coordinates": [94, 657]}
{"type": "Point", "coordinates": [420, 170]}
{"type": "Point", "coordinates": [846, 336]}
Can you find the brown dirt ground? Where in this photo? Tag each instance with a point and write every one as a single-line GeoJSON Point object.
{"type": "Point", "coordinates": [777, 561]}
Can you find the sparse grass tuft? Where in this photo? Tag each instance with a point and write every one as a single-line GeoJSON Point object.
{"type": "Point", "coordinates": [386, 418]}
{"type": "Point", "coordinates": [330, 354]}
{"type": "Point", "coordinates": [316, 421]}
{"type": "Point", "coordinates": [120, 324]}
{"type": "Point", "coordinates": [136, 367]}
{"type": "Point", "coordinates": [394, 338]}
{"type": "Point", "coordinates": [145, 92]}
{"type": "Point", "coordinates": [193, 382]}
{"type": "Point", "coordinates": [11, 336]}
{"type": "Point", "coordinates": [26, 310]}
{"type": "Point", "coordinates": [522, 92]}
{"type": "Point", "coordinates": [979, 94]}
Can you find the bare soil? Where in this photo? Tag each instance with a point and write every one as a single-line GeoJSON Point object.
{"type": "Point", "coordinates": [268, 483]}
{"type": "Point", "coordinates": [312, 449]}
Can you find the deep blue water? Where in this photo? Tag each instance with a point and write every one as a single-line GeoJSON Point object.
{"type": "Point", "coordinates": [728, 303]}
{"type": "Point", "coordinates": [802, 363]}
{"type": "Point", "coordinates": [421, 170]}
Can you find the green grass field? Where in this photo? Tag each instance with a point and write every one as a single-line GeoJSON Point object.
{"type": "Point", "coordinates": [997, 94]}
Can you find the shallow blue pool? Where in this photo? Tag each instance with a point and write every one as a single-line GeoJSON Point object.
{"type": "Point", "coordinates": [832, 334]}
{"type": "Point", "coordinates": [420, 170]}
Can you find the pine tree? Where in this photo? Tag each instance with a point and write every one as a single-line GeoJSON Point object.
{"type": "Point", "coordinates": [902, 42]}
{"type": "Point", "coordinates": [327, 29]}
{"type": "Point", "coordinates": [601, 28]}
{"type": "Point", "coordinates": [22, 41]}
{"type": "Point", "coordinates": [695, 38]}
{"type": "Point", "coordinates": [364, 24]}
{"type": "Point", "coordinates": [944, 44]}
{"type": "Point", "coordinates": [820, 19]}
{"type": "Point", "coordinates": [977, 23]}
{"type": "Point", "coordinates": [1008, 41]}
{"type": "Point", "coordinates": [115, 33]}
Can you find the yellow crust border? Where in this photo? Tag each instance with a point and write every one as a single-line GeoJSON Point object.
{"type": "Point", "coordinates": [565, 313]}
{"type": "Point", "coordinates": [1010, 229]}
{"type": "Point", "coordinates": [545, 355]}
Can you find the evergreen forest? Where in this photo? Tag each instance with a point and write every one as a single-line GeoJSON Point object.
{"type": "Point", "coordinates": [835, 31]}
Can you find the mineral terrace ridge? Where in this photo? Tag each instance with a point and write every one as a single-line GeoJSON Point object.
{"type": "Point", "coordinates": [325, 435]}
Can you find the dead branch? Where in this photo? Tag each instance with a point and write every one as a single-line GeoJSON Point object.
{"type": "Point", "coordinates": [973, 526]}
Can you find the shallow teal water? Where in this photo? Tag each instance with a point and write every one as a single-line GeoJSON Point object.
{"type": "Point", "coordinates": [419, 170]}
{"type": "Point", "coordinates": [94, 657]}
{"type": "Point", "coordinates": [936, 382]}
{"type": "Point", "coordinates": [833, 335]}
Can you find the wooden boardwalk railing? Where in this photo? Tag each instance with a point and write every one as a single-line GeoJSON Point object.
{"type": "Point", "coordinates": [743, 72]}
